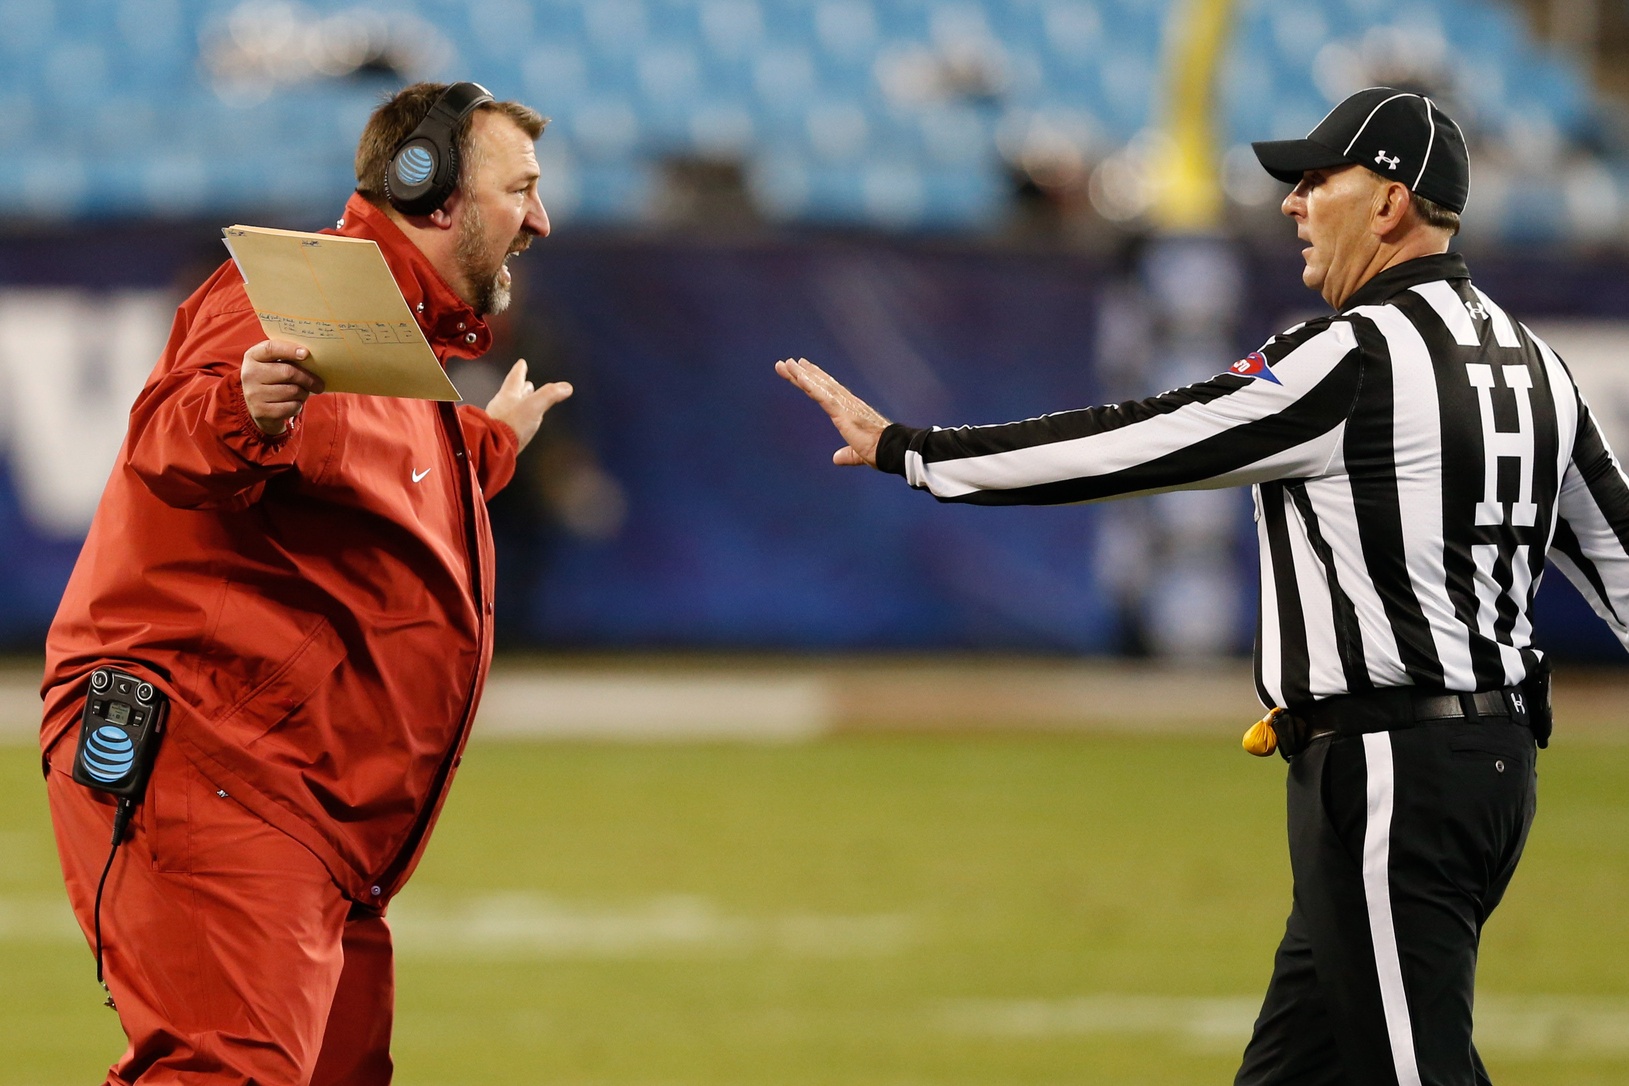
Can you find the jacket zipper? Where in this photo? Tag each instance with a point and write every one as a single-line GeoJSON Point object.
{"type": "Point", "coordinates": [387, 880]}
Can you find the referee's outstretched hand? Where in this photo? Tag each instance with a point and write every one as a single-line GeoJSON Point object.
{"type": "Point", "coordinates": [857, 421]}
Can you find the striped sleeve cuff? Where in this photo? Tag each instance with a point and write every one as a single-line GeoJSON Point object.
{"type": "Point", "coordinates": [892, 446]}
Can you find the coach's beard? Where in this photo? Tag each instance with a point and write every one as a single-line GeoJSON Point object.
{"type": "Point", "coordinates": [488, 278]}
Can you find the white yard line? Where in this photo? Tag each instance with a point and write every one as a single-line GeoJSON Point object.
{"type": "Point", "coordinates": [531, 925]}
{"type": "Point", "coordinates": [1511, 1026]}
{"type": "Point", "coordinates": [526, 925]}
{"type": "Point", "coordinates": [37, 919]}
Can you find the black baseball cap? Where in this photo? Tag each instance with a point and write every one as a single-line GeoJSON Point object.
{"type": "Point", "coordinates": [1400, 135]}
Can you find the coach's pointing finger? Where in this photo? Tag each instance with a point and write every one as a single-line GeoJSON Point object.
{"type": "Point", "coordinates": [522, 406]}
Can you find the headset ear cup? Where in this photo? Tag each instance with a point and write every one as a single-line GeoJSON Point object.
{"type": "Point", "coordinates": [447, 179]}
{"type": "Point", "coordinates": [423, 170]}
{"type": "Point", "coordinates": [415, 177]}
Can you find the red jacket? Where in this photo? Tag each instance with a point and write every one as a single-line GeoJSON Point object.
{"type": "Point", "coordinates": [318, 605]}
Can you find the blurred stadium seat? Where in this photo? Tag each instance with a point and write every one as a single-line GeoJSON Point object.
{"type": "Point", "coordinates": [847, 112]}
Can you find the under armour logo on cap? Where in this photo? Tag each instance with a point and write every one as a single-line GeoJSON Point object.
{"type": "Point", "coordinates": [1399, 134]}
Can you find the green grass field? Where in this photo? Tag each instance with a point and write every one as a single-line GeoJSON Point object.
{"type": "Point", "coordinates": [870, 910]}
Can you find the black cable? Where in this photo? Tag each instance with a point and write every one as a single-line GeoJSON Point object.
{"type": "Point", "coordinates": [121, 819]}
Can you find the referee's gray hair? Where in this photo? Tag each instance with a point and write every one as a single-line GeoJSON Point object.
{"type": "Point", "coordinates": [1434, 214]}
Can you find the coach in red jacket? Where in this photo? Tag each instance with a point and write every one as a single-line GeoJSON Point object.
{"type": "Point", "coordinates": [309, 578]}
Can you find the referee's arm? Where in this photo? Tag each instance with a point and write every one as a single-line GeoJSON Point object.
{"type": "Point", "coordinates": [1284, 421]}
{"type": "Point", "coordinates": [1591, 543]}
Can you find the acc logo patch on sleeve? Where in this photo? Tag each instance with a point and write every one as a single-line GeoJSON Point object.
{"type": "Point", "coordinates": [1254, 364]}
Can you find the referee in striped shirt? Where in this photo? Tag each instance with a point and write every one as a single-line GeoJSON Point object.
{"type": "Point", "coordinates": [1415, 457]}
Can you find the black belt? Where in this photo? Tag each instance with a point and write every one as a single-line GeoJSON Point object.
{"type": "Point", "coordinates": [1404, 707]}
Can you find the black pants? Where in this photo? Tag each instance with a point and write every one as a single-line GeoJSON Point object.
{"type": "Point", "coordinates": [1401, 844]}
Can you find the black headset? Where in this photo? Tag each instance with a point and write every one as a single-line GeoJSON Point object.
{"type": "Point", "coordinates": [423, 170]}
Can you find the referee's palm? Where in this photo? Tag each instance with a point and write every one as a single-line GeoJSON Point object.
{"type": "Point", "coordinates": [859, 424]}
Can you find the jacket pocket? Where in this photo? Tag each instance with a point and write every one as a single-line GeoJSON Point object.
{"type": "Point", "coordinates": [260, 660]}
{"type": "Point", "coordinates": [290, 684]}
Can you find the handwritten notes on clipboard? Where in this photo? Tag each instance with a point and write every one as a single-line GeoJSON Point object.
{"type": "Point", "coordinates": [336, 297]}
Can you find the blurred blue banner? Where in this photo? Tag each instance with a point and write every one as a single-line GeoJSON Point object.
{"type": "Point", "coordinates": [684, 498]}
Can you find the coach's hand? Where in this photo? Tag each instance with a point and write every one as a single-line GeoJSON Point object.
{"type": "Point", "coordinates": [857, 422]}
{"type": "Point", "coordinates": [275, 388]}
{"type": "Point", "coordinates": [522, 406]}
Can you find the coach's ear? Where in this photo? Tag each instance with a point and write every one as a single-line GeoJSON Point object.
{"type": "Point", "coordinates": [445, 217]}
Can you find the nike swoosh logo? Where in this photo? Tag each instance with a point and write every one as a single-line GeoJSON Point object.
{"type": "Point", "coordinates": [417, 475]}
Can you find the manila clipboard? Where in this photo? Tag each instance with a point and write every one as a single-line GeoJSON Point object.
{"type": "Point", "coordinates": [335, 296]}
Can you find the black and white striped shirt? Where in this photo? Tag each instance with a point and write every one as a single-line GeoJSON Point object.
{"type": "Point", "coordinates": [1415, 457]}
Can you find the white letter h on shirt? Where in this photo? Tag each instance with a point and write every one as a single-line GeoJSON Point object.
{"type": "Point", "coordinates": [1498, 443]}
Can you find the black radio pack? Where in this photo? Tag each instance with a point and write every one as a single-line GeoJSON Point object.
{"type": "Point", "coordinates": [119, 732]}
